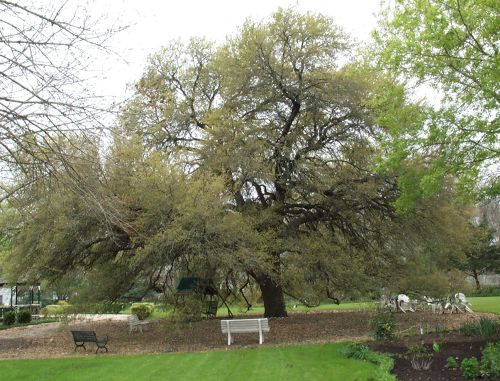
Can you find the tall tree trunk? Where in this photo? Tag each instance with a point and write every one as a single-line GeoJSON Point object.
{"type": "Point", "coordinates": [273, 297]}
{"type": "Point", "coordinates": [476, 279]}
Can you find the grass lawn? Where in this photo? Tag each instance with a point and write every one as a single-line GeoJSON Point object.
{"type": "Point", "coordinates": [305, 362]}
{"type": "Point", "coordinates": [485, 304]}
{"type": "Point", "coordinates": [479, 304]}
{"type": "Point", "coordinates": [259, 309]}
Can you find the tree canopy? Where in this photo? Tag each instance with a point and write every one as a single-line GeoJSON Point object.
{"type": "Point", "coordinates": [46, 100]}
{"type": "Point", "coordinates": [451, 46]}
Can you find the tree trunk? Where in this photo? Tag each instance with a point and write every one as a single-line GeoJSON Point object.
{"type": "Point", "coordinates": [476, 279]}
{"type": "Point", "coordinates": [272, 294]}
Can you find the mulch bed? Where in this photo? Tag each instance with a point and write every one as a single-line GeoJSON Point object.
{"type": "Point", "coordinates": [298, 328]}
{"type": "Point", "coordinates": [453, 344]}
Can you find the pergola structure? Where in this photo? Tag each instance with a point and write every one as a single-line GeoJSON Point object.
{"type": "Point", "coordinates": [20, 295]}
{"type": "Point", "coordinates": [206, 289]}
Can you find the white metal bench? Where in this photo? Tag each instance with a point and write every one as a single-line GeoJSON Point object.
{"type": "Point", "coordinates": [134, 324]}
{"type": "Point", "coordinates": [244, 325]}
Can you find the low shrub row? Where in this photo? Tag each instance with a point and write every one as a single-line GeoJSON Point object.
{"type": "Point", "coordinates": [64, 308]}
{"type": "Point", "coordinates": [21, 317]}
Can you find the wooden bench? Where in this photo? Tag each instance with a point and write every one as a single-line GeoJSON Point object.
{"type": "Point", "coordinates": [244, 325]}
{"type": "Point", "coordinates": [82, 337]}
{"type": "Point", "coordinates": [134, 324]}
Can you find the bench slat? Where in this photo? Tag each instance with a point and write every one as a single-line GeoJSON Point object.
{"type": "Point", "coordinates": [86, 336]}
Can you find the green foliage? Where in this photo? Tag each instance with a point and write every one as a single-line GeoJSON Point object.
{"type": "Point", "coordinates": [482, 254]}
{"type": "Point", "coordinates": [142, 310]}
{"type": "Point", "coordinates": [487, 291]}
{"type": "Point", "coordinates": [470, 368]}
{"type": "Point", "coordinates": [9, 318]}
{"type": "Point", "coordinates": [451, 363]}
{"type": "Point", "coordinates": [23, 316]}
{"type": "Point", "coordinates": [358, 351]}
{"type": "Point", "coordinates": [188, 309]}
{"type": "Point", "coordinates": [57, 309]}
{"type": "Point", "coordinates": [384, 366]}
{"type": "Point", "coordinates": [484, 328]}
{"type": "Point", "coordinates": [383, 325]}
{"type": "Point", "coordinates": [422, 357]}
{"type": "Point", "coordinates": [436, 347]}
{"type": "Point", "coordinates": [451, 46]}
{"type": "Point", "coordinates": [490, 360]}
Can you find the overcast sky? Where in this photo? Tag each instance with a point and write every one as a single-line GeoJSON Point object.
{"type": "Point", "coordinates": [152, 23]}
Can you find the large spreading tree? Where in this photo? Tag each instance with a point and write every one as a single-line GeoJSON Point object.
{"type": "Point", "coordinates": [254, 161]}
{"type": "Point", "coordinates": [293, 138]}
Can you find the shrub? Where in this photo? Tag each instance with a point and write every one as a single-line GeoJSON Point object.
{"type": "Point", "coordinates": [99, 308]}
{"type": "Point", "coordinates": [383, 325]}
{"type": "Point", "coordinates": [57, 309]}
{"type": "Point", "coordinates": [490, 360]}
{"type": "Point", "coordinates": [470, 368]}
{"type": "Point", "coordinates": [384, 363]}
{"type": "Point", "coordinates": [357, 351]}
{"type": "Point", "coordinates": [62, 303]}
{"type": "Point", "coordinates": [9, 318]}
{"type": "Point", "coordinates": [484, 328]}
{"type": "Point", "coordinates": [142, 310]}
{"type": "Point", "coordinates": [189, 309]}
{"type": "Point", "coordinates": [451, 363]}
{"type": "Point", "coordinates": [24, 316]}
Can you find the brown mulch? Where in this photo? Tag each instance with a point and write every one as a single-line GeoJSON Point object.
{"type": "Point", "coordinates": [164, 336]}
{"type": "Point", "coordinates": [453, 344]}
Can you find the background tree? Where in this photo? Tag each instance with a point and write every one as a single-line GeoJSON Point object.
{"type": "Point", "coordinates": [452, 46]}
{"type": "Point", "coordinates": [483, 254]}
{"type": "Point", "coordinates": [44, 61]}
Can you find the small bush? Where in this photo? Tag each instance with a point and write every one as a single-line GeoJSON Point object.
{"type": "Point", "coordinates": [384, 363]}
{"type": "Point", "coordinates": [62, 303]}
{"type": "Point", "coordinates": [490, 360]}
{"type": "Point", "coordinates": [470, 368]}
{"type": "Point", "coordinates": [189, 309]}
{"type": "Point", "coordinates": [451, 363]}
{"type": "Point", "coordinates": [142, 310]}
{"type": "Point", "coordinates": [484, 328]}
{"type": "Point", "coordinates": [24, 316]}
{"type": "Point", "coordinates": [383, 325]}
{"type": "Point", "coordinates": [357, 351]}
{"type": "Point", "coordinates": [57, 309]}
{"type": "Point", "coordinates": [9, 318]}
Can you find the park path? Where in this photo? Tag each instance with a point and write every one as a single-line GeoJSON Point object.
{"type": "Point", "coordinates": [47, 330]}
{"type": "Point", "coordinates": [30, 331]}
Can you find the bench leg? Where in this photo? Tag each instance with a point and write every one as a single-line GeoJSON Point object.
{"type": "Point", "coordinates": [261, 337]}
{"type": "Point", "coordinates": [101, 348]}
{"type": "Point", "coordinates": [229, 338]}
{"type": "Point", "coordinates": [80, 345]}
